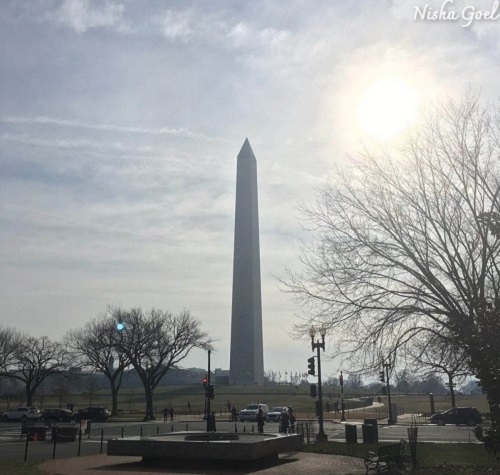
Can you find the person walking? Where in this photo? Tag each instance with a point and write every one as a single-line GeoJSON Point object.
{"type": "Point", "coordinates": [165, 414]}
{"type": "Point", "coordinates": [171, 414]}
{"type": "Point", "coordinates": [260, 421]}
{"type": "Point", "coordinates": [285, 420]}
{"type": "Point", "coordinates": [211, 422]}
{"type": "Point", "coordinates": [234, 414]}
{"type": "Point", "coordinates": [292, 420]}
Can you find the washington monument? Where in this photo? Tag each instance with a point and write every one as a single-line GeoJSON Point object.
{"type": "Point", "coordinates": [247, 359]}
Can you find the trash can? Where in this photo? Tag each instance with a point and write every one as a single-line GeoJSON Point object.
{"type": "Point", "coordinates": [351, 434]}
{"type": "Point", "coordinates": [370, 431]}
{"type": "Point", "coordinates": [36, 433]}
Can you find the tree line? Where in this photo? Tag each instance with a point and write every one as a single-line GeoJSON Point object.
{"type": "Point", "coordinates": [151, 342]}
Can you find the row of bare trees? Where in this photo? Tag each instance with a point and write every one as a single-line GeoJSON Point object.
{"type": "Point", "coordinates": [150, 342]}
{"type": "Point", "coordinates": [404, 254]}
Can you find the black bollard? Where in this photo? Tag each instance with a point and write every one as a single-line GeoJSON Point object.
{"type": "Point", "coordinates": [157, 430]}
{"type": "Point", "coordinates": [54, 444]}
{"type": "Point", "coordinates": [141, 431]}
{"type": "Point", "coordinates": [122, 432]}
{"type": "Point", "coordinates": [26, 448]}
{"type": "Point", "coordinates": [79, 442]}
{"type": "Point", "coordinates": [235, 428]}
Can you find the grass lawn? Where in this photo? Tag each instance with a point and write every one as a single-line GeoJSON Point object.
{"type": "Point", "coordinates": [442, 459]}
{"type": "Point", "coordinates": [29, 468]}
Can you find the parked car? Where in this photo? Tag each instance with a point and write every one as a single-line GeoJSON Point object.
{"type": "Point", "coordinates": [56, 414]}
{"type": "Point", "coordinates": [251, 411]}
{"type": "Point", "coordinates": [22, 414]}
{"type": "Point", "coordinates": [99, 414]}
{"type": "Point", "coordinates": [457, 415]}
{"type": "Point", "coordinates": [274, 414]}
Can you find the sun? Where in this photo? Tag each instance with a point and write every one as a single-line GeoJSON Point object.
{"type": "Point", "coordinates": [387, 108]}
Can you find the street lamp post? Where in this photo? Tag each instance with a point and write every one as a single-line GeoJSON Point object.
{"type": "Point", "coordinates": [320, 436]}
{"type": "Point", "coordinates": [387, 367]}
{"type": "Point", "coordinates": [341, 380]}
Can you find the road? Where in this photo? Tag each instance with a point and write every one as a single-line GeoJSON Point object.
{"type": "Point", "coordinates": [12, 447]}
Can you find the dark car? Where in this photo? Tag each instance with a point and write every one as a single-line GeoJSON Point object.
{"type": "Point", "coordinates": [99, 414]}
{"type": "Point", "coordinates": [457, 415]}
{"type": "Point", "coordinates": [56, 414]}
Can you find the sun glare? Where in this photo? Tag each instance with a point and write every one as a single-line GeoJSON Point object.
{"type": "Point", "coordinates": [387, 108]}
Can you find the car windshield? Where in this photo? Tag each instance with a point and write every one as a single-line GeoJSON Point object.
{"type": "Point", "coordinates": [277, 409]}
{"type": "Point", "coordinates": [253, 406]}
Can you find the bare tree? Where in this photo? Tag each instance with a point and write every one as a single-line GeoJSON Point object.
{"type": "Point", "coordinates": [34, 360]}
{"type": "Point", "coordinates": [156, 341]}
{"type": "Point", "coordinates": [95, 346]}
{"type": "Point", "coordinates": [436, 354]}
{"type": "Point", "coordinates": [402, 245]}
{"type": "Point", "coordinates": [9, 340]}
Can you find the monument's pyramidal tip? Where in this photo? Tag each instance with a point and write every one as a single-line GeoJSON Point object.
{"type": "Point", "coordinates": [246, 150]}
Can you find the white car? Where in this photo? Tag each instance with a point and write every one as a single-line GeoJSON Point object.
{"type": "Point", "coordinates": [22, 414]}
{"type": "Point", "coordinates": [250, 412]}
{"type": "Point", "coordinates": [274, 414]}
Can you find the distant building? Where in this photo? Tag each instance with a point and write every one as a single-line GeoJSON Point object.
{"type": "Point", "coordinates": [221, 376]}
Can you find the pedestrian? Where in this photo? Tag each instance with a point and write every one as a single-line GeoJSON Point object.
{"type": "Point", "coordinates": [234, 414]}
{"type": "Point", "coordinates": [165, 414]}
{"type": "Point", "coordinates": [189, 407]}
{"type": "Point", "coordinates": [292, 421]}
{"type": "Point", "coordinates": [328, 407]}
{"type": "Point", "coordinates": [336, 407]}
{"type": "Point", "coordinates": [260, 421]}
{"type": "Point", "coordinates": [211, 422]}
{"type": "Point", "coordinates": [171, 414]}
{"type": "Point", "coordinates": [285, 420]}
{"type": "Point", "coordinates": [228, 405]}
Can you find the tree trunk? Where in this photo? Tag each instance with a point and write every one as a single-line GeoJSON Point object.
{"type": "Point", "coordinates": [149, 403]}
{"type": "Point", "coordinates": [114, 398]}
{"type": "Point", "coordinates": [30, 393]}
{"type": "Point", "coordinates": [452, 391]}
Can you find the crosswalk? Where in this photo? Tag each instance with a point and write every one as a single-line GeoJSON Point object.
{"type": "Point", "coordinates": [10, 434]}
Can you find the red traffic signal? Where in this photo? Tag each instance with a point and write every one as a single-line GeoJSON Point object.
{"type": "Point", "coordinates": [205, 382]}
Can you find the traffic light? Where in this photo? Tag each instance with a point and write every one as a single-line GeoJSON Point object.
{"type": "Point", "coordinates": [210, 391]}
{"type": "Point", "coordinates": [311, 366]}
{"type": "Point", "coordinates": [313, 390]}
{"type": "Point", "coordinates": [341, 379]}
{"type": "Point", "coordinates": [205, 381]}
{"type": "Point", "coordinates": [382, 376]}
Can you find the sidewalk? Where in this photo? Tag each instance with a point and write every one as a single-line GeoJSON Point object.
{"type": "Point", "coordinates": [297, 463]}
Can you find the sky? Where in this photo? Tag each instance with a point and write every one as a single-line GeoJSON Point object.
{"type": "Point", "coordinates": [121, 120]}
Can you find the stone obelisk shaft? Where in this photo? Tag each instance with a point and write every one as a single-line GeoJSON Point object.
{"type": "Point", "coordinates": [247, 360]}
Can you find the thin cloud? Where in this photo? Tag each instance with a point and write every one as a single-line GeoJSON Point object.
{"type": "Point", "coordinates": [183, 132]}
{"type": "Point", "coordinates": [83, 15]}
